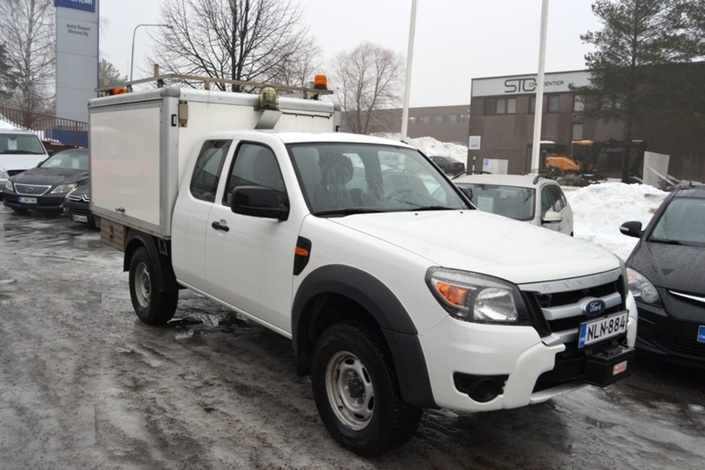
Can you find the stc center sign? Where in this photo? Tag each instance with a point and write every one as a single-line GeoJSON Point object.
{"type": "Point", "coordinates": [526, 84]}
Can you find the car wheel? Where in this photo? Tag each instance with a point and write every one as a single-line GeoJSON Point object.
{"type": "Point", "coordinates": [152, 304]}
{"type": "Point", "coordinates": [356, 391]}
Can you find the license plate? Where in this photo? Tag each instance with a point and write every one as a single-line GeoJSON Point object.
{"type": "Point", "coordinates": [701, 334]}
{"type": "Point", "coordinates": [79, 218]}
{"type": "Point", "coordinates": [602, 328]}
{"type": "Point", "coordinates": [28, 200]}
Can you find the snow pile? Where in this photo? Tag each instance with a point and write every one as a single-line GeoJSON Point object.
{"type": "Point", "coordinates": [600, 209]}
{"type": "Point", "coordinates": [5, 124]}
{"type": "Point", "coordinates": [433, 147]}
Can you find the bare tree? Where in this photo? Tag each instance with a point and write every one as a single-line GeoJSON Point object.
{"type": "Point", "coordinates": [109, 74]}
{"type": "Point", "coordinates": [367, 78]}
{"type": "Point", "coordinates": [27, 29]}
{"type": "Point", "coordinates": [238, 39]}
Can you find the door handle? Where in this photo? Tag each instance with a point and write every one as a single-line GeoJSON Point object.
{"type": "Point", "coordinates": [218, 226]}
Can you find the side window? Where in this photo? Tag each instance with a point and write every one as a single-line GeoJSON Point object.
{"type": "Point", "coordinates": [546, 200]}
{"type": "Point", "coordinates": [559, 200]}
{"type": "Point", "coordinates": [209, 164]}
{"type": "Point", "coordinates": [255, 165]}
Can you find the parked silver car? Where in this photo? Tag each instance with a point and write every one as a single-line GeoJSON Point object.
{"type": "Point", "coordinates": [534, 199]}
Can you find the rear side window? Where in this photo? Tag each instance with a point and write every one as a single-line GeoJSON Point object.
{"type": "Point", "coordinates": [206, 174]}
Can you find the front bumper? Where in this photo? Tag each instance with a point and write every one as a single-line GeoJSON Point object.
{"type": "Point", "coordinates": [514, 357]}
{"type": "Point", "coordinates": [672, 331]}
{"type": "Point", "coordinates": [46, 203]}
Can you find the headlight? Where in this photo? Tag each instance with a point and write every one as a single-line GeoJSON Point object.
{"type": "Point", "coordinates": [64, 188]}
{"type": "Point", "coordinates": [8, 186]}
{"type": "Point", "coordinates": [476, 297]}
{"type": "Point", "coordinates": [3, 174]}
{"type": "Point", "coordinates": [642, 288]}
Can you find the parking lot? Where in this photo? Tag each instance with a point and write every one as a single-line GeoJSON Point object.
{"type": "Point", "coordinates": [84, 384]}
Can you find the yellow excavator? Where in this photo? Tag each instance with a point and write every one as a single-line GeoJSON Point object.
{"type": "Point", "coordinates": [596, 160]}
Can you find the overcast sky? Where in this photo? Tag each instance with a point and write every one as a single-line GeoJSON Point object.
{"type": "Point", "coordinates": [455, 40]}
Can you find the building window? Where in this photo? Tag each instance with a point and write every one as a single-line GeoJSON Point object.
{"type": "Point", "coordinates": [501, 106]}
{"type": "Point", "coordinates": [553, 101]}
{"type": "Point", "coordinates": [578, 103]}
{"type": "Point", "coordinates": [578, 131]}
{"type": "Point", "coordinates": [532, 104]}
{"type": "Point", "coordinates": [490, 106]}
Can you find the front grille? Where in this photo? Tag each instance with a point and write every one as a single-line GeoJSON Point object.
{"type": "Point", "coordinates": [31, 189]}
{"type": "Point", "coordinates": [74, 198]}
{"type": "Point", "coordinates": [556, 313]}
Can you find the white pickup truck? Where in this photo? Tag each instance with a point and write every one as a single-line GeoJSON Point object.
{"type": "Point", "coordinates": [396, 293]}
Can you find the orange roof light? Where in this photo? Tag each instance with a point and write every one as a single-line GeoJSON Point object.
{"type": "Point", "coordinates": [320, 82]}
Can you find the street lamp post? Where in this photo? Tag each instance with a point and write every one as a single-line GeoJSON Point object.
{"type": "Point", "coordinates": [132, 57]}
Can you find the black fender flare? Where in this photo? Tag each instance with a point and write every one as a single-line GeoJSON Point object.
{"type": "Point", "coordinates": [162, 262]}
{"type": "Point", "coordinates": [383, 306]}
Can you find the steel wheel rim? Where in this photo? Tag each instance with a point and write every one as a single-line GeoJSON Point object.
{"type": "Point", "coordinates": [143, 285]}
{"type": "Point", "coordinates": [350, 390]}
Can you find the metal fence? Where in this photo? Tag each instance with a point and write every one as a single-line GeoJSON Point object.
{"type": "Point", "coordinates": [50, 129]}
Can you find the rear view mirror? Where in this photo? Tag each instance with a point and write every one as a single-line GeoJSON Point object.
{"type": "Point", "coordinates": [632, 229]}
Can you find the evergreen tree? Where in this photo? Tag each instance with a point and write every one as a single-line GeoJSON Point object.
{"type": "Point", "coordinates": [639, 38]}
{"type": "Point", "coordinates": [7, 76]}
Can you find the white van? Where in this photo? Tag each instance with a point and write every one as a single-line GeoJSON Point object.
{"type": "Point", "coordinates": [19, 151]}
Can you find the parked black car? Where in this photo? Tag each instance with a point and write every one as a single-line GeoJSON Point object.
{"type": "Point", "coordinates": [44, 188]}
{"type": "Point", "coordinates": [665, 272]}
{"type": "Point", "coordinates": [450, 166]}
{"type": "Point", "coordinates": [76, 207]}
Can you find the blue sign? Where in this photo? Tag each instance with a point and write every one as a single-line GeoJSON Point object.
{"type": "Point", "coordinates": [701, 334]}
{"type": "Point", "coordinates": [86, 5]}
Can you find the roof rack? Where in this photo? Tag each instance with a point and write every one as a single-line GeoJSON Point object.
{"type": "Point", "coordinates": [174, 78]}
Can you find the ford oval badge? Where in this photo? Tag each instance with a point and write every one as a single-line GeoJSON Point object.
{"type": "Point", "coordinates": [593, 307]}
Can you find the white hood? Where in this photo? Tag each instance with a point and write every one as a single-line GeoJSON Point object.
{"type": "Point", "coordinates": [486, 243]}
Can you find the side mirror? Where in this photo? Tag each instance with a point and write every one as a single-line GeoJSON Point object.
{"type": "Point", "coordinates": [467, 191]}
{"type": "Point", "coordinates": [632, 229]}
{"type": "Point", "coordinates": [258, 202]}
{"type": "Point", "coordinates": [551, 217]}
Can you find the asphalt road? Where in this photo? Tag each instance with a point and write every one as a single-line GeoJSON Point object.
{"type": "Point", "coordinates": [84, 384]}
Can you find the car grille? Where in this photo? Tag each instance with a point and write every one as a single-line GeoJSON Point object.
{"type": "Point", "coordinates": [74, 198]}
{"type": "Point", "coordinates": [556, 313]}
{"type": "Point", "coordinates": [31, 189]}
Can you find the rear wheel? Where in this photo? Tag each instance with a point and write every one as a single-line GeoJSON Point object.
{"type": "Point", "coordinates": [357, 393]}
{"type": "Point", "coordinates": [152, 304]}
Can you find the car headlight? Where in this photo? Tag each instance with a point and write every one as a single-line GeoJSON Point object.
{"type": "Point", "coordinates": [3, 174]}
{"type": "Point", "coordinates": [64, 188]}
{"type": "Point", "coordinates": [641, 287]}
{"type": "Point", "coordinates": [8, 186]}
{"type": "Point", "coordinates": [476, 297]}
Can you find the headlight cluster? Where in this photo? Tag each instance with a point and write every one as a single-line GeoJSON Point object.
{"type": "Point", "coordinates": [641, 287]}
{"type": "Point", "coordinates": [476, 297]}
{"type": "Point", "coordinates": [8, 186]}
{"type": "Point", "coordinates": [64, 188]}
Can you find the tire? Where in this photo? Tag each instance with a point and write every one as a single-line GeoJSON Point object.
{"type": "Point", "coordinates": [153, 305]}
{"type": "Point", "coordinates": [357, 393]}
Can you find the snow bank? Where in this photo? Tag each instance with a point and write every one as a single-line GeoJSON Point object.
{"type": "Point", "coordinates": [433, 147]}
{"type": "Point", "coordinates": [600, 209]}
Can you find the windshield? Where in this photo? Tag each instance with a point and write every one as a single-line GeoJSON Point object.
{"type": "Point", "coordinates": [339, 179]}
{"type": "Point", "coordinates": [509, 201]}
{"type": "Point", "coordinates": [683, 221]}
{"type": "Point", "coordinates": [68, 160]}
{"type": "Point", "coordinates": [27, 144]}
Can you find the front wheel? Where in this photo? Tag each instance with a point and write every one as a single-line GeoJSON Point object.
{"type": "Point", "coordinates": [357, 393]}
{"type": "Point", "coordinates": [152, 303]}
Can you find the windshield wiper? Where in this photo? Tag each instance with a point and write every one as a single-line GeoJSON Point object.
{"type": "Point", "coordinates": [348, 211]}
